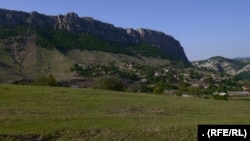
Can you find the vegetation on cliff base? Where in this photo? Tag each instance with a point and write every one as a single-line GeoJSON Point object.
{"type": "Point", "coordinates": [64, 41]}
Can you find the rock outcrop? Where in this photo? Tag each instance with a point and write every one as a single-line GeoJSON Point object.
{"type": "Point", "coordinates": [73, 23]}
{"type": "Point", "coordinates": [221, 64]}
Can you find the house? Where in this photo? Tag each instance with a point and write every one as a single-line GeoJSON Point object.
{"type": "Point", "coordinates": [246, 88]}
{"type": "Point", "coordinates": [165, 70]}
{"type": "Point", "coordinates": [196, 85]}
{"type": "Point", "coordinates": [205, 86]}
{"type": "Point", "coordinates": [144, 80]}
{"type": "Point", "coordinates": [76, 82]}
{"type": "Point", "coordinates": [157, 74]}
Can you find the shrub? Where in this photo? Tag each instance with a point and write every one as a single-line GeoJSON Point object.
{"type": "Point", "coordinates": [220, 97]}
{"type": "Point", "coordinates": [158, 90]}
{"type": "Point", "coordinates": [48, 80]}
{"type": "Point", "coordinates": [135, 87]}
{"type": "Point", "coordinates": [110, 83]}
{"type": "Point", "coordinates": [178, 93]}
{"type": "Point", "coordinates": [195, 91]}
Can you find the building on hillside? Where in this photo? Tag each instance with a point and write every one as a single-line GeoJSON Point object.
{"type": "Point", "coordinates": [157, 74]}
{"type": "Point", "coordinates": [246, 88]}
{"type": "Point", "coordinates": [144, 80]}
{"type": "Point", "coordinates": [196, 85]}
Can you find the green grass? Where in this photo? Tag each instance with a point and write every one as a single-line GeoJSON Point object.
{"type": "Point", "coordinates": [52, 113]}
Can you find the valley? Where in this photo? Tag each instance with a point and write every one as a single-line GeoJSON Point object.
{"type": "Point", "coordinates": [67, 77]}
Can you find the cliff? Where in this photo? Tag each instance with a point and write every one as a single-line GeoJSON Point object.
{"type": "Point", "coordinates": [71, 22]}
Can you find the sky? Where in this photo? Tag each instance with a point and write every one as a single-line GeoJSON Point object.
{"type": "Point", "coordinates": [205, 28]}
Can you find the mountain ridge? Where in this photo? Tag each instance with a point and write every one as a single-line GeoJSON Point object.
{"type": "Point", "coordinates": [33, 45]}
{"type": "Point", "coordinates": [73, 23]}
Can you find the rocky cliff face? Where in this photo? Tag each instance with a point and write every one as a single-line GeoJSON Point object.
{"type": "Point", "coordinates": [73, 23]}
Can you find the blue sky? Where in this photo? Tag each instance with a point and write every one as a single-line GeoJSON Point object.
{"type": "Point", "coordinates": [205, 28]}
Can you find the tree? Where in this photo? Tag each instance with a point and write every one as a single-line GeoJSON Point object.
{"type": "Point", "coordinates": [221, 88]}
{"type": "Point", "coordinates": [158, 90]}
{"type": "Point", "coordinates": [195, 91]}
{"type": "Point", "coordinates": [110, 83]}
{"type": "Point", "coordinates": [48, 80]}
{"type": "Point", "coordinates": [209, 80]}
{"type": "Point", "coordinates": [195, 75]}
{"type": "Point", "coordinates": [210, 90]}
{"type": "Point", "coordinates": [76, 67]}
{"type": "Point", "coordinates": [183, 86]}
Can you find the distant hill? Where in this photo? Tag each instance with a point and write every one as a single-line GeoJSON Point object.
{"type": "Point", "coordinates": [33, 44]}
{"type": "Point", "coordinates": [226, 65]}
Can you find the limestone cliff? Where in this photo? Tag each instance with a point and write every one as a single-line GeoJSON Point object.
{"type": "Point", "coordinates": [73, 23]}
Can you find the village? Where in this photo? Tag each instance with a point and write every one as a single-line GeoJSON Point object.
{"type": "Point", "coordinates": [168, 79]}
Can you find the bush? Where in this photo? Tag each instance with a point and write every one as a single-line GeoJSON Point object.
{"type": "Point", "coordinates": [195, 91]}
{"type": "Point", "coordinates": [22, 82]}
{"type": "Point", "coordinates": [110, 83]}
{"type": "Point", "coordinates": [135, 87]}
{"type": "Point", "coordinates": [178, 93]}
{"type": "Point", "coordinates": [48, 80]}
{"type": "Point", "coordinates": [158, 90]}
{"type": "Point", "coordinates": [144, 88]}
{"type": "Point", "coordinates": [220, 97]}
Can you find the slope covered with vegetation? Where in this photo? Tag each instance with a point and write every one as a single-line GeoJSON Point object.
{"type": "Point", "coordinates": [64, 41]}
{"type": "Point", "coordinates": [27, 52]}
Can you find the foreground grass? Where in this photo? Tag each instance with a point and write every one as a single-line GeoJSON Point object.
{"type": "Point", "coordinates": [50, 113]}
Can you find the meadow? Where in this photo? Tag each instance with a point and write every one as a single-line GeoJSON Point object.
{"type": "Point", "coordinates": [56, 113]}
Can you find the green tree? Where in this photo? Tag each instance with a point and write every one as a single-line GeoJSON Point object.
{"type": "Point", "coordinates": [158, 90]}
{"type": "Point", "coordinates": [183, 86]}
{"type": "Point", "coordinates": [48, 80]}
{"type": "Point", "coordinates": [195, 91]}
{"type": "Point", "coordinates": [220, 97]}
{"type": "Point", "coordinates": [40, 81]}
{"type": "Point", "coordinates": [110, 83]}
{"type": "Point", "coordinates": [209, 80]}
{"type": "Point", "coordinates": [210, 90]}
{"type": "Point", "coordinates": [221, 88]}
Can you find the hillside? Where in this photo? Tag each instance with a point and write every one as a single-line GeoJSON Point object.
{"type": "Point", "coordinates": [224, 65]}
{"type": "Point", "coordinates": [33, 44]}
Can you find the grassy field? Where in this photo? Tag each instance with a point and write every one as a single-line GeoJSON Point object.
{"type": "Point", "coordinates": [52, 113]}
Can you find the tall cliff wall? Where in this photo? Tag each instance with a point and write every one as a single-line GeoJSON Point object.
{"type": "Point", "coordinates": [73, 23]}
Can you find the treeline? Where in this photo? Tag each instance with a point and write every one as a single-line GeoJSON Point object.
{"type": "Point", "coordinates": [63, 40]}
{"type": "Point", "coordinates": [45, 80]}
{"type": "Point", "coordinates": [6, 32]}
